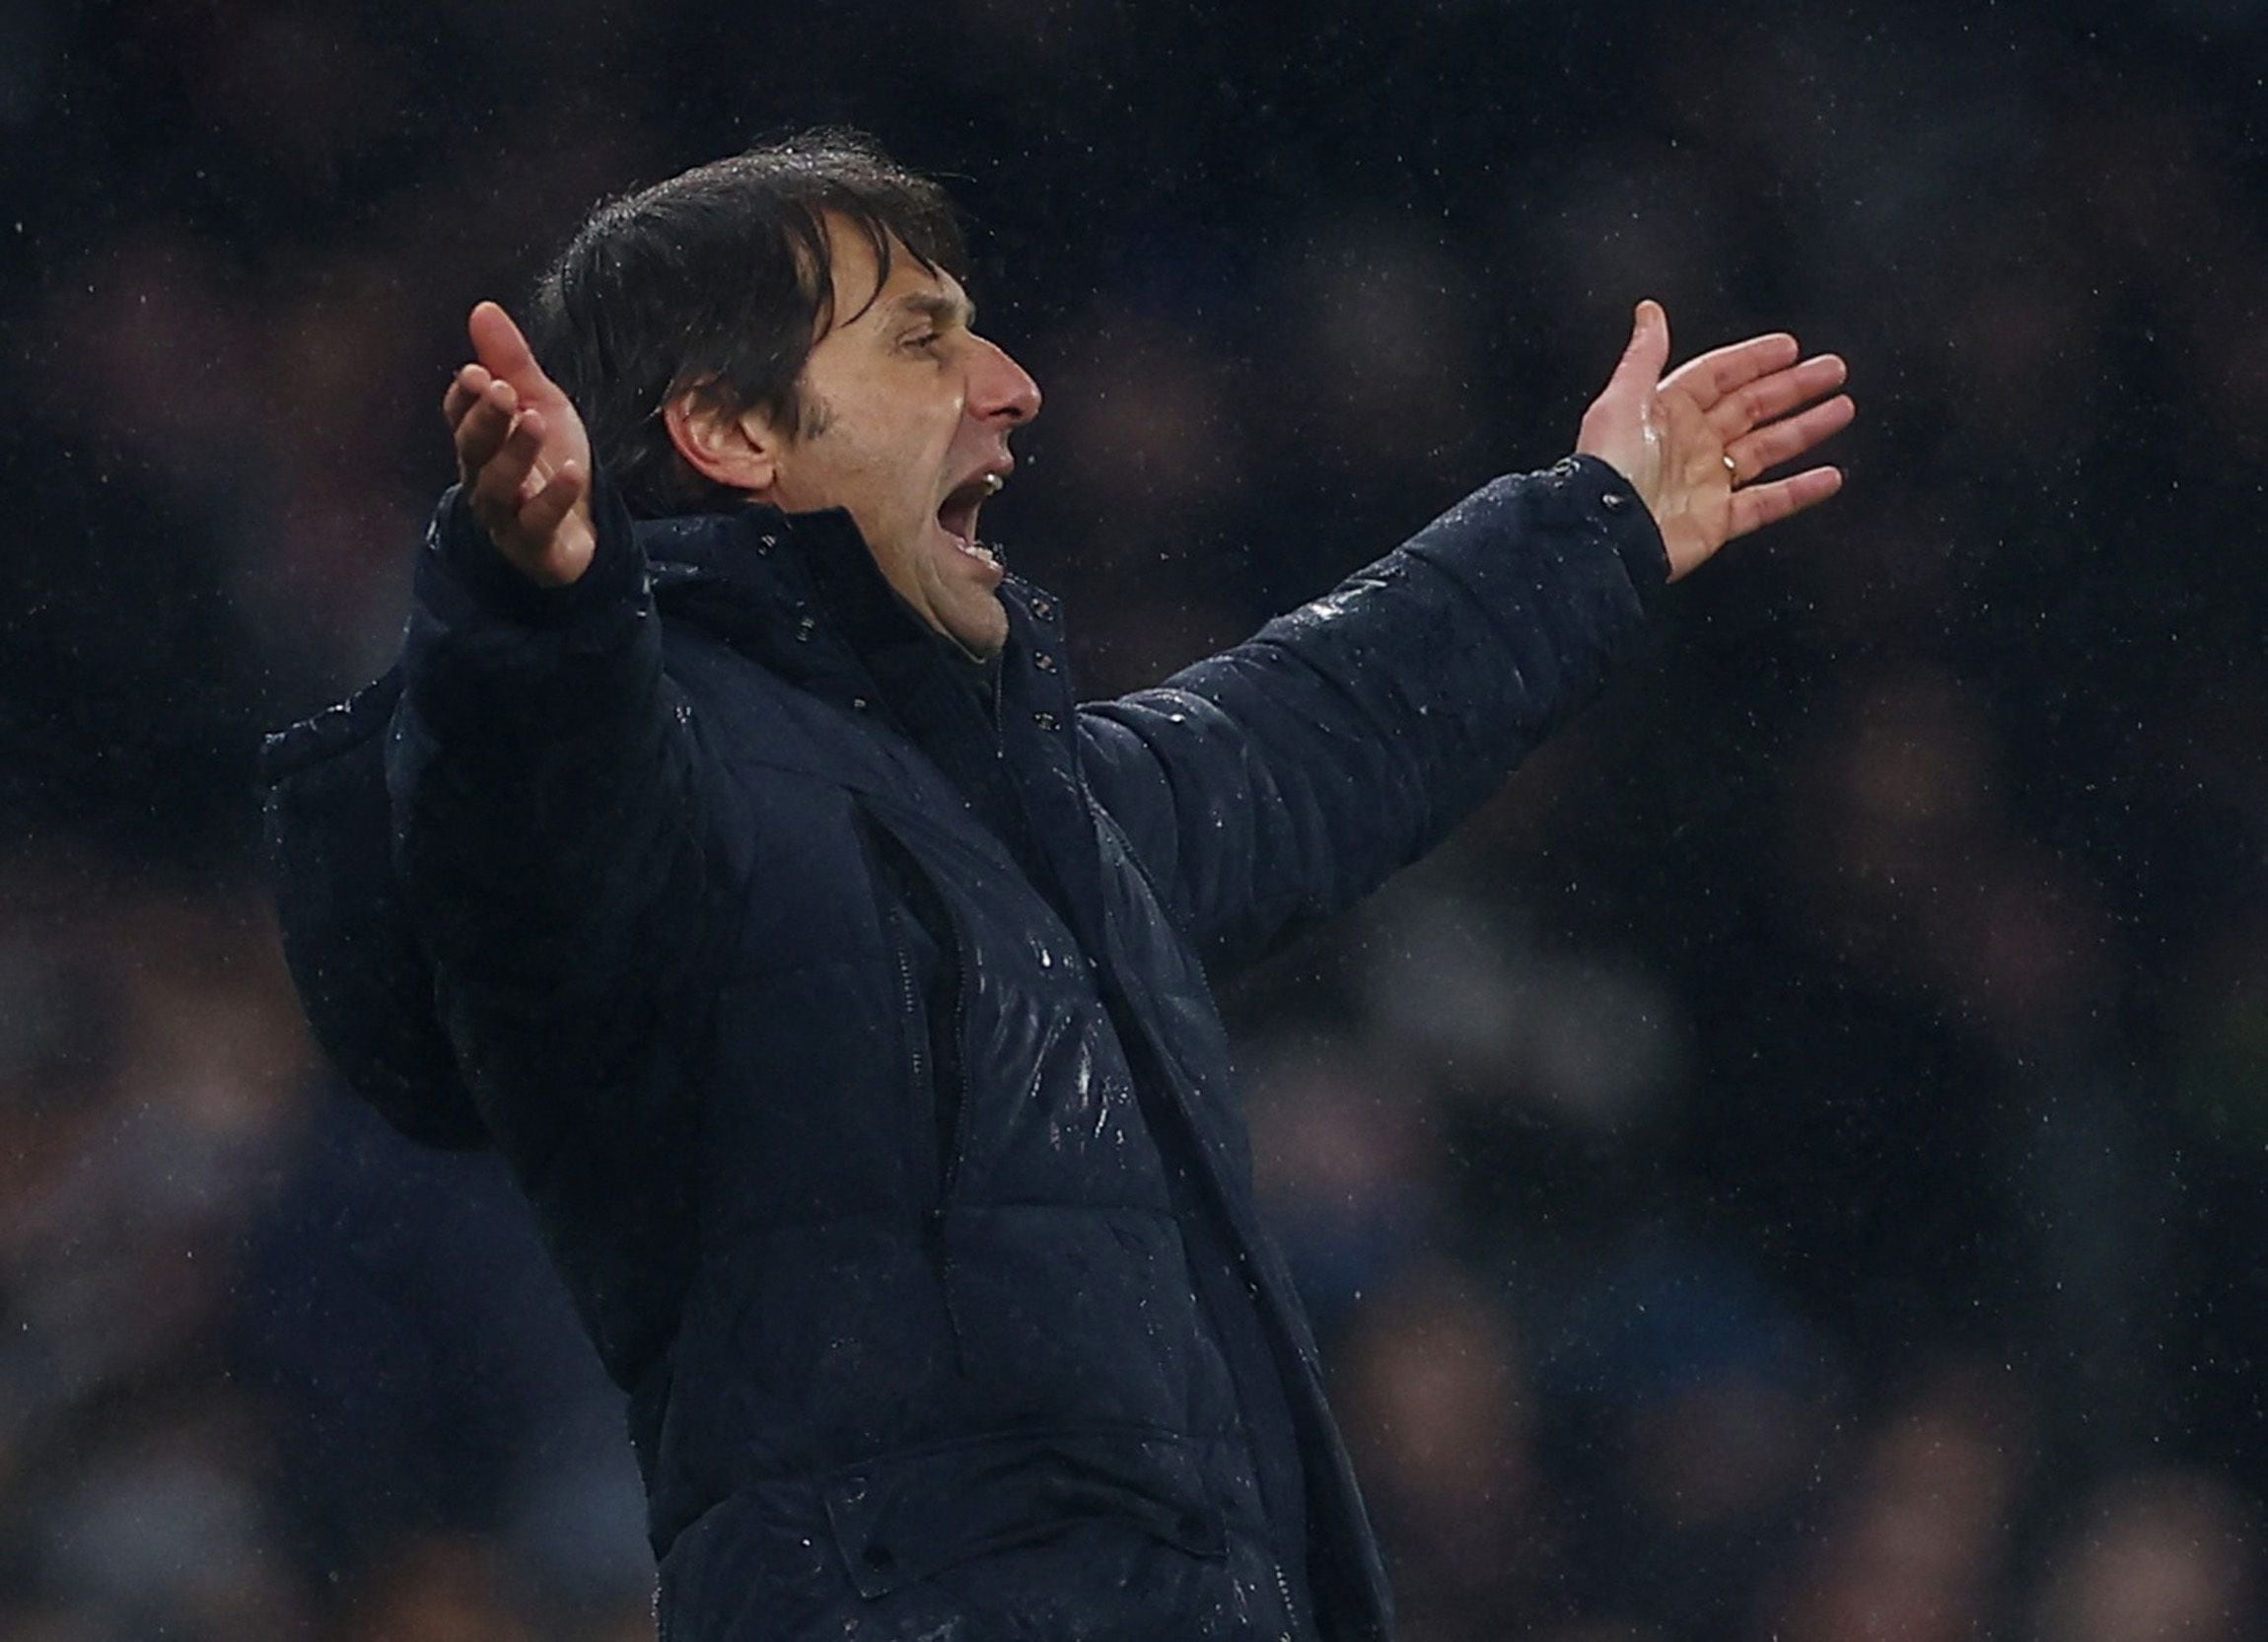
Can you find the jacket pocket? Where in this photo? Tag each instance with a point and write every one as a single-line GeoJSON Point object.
{"type": "Point", "coordinates": [749, 1565]}
{"type": "Point", "coordinates": [906, 1517]}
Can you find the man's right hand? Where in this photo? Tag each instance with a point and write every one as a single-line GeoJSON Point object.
{"type": "Point", "coordinates": [522, 452]}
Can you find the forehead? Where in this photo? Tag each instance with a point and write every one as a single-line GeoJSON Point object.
{"type": "Point", "coordinates": [860, 299]}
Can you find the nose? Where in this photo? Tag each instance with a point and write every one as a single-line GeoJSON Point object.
{"type": "Point", "coordinates": [999, 388]}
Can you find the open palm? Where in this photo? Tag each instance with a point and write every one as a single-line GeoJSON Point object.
{"type": "Point", "coordinates": [1693, 443]}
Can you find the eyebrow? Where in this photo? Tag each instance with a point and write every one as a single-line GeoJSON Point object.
{"type": "Point", "coordinates": [936, 308]}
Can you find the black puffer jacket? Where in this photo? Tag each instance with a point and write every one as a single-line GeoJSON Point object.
{"type": "Point", "coordinates": [839, 1007]}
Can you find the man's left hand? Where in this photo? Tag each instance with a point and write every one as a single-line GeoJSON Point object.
{"type": "Point", "coordinates": [1693, 443]}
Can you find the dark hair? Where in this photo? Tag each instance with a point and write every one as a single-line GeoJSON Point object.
{"type": "Point", "coordinates": [717, 282]}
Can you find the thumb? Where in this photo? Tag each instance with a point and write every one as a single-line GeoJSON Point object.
{"type": "Point", "coordinates": [1648, 354]}
{"type": "Point", "coordinates": [498, 344]}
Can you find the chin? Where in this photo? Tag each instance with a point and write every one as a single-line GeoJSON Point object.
{"type": "Point", "coordinates": [980, 633]}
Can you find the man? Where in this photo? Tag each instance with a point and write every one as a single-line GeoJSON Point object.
{"type": "Point", "coordinates": [729, 852]}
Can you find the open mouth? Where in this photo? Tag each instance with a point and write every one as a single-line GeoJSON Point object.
{"type": "Point", "coordinates": [957, 516]}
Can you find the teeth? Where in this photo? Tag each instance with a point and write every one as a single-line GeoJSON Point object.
{"type": "Point", "coordinates": [992, 483]}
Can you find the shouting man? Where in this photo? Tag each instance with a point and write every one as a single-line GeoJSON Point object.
{"type": "Point", "coordinates": [729, 851]}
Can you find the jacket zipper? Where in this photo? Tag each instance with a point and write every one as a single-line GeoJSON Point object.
{"type": "Point", "coordinates": [1284, 1590]}
{"type": "Point", "coordinates": [952, 1126]}
{"type": "Point", "coordinates": [893, 927]}
{"type": "Point", "coordinates": [949, 1080]}
{"type": "Point", "coordinates": [951, 1093]}
{"type": "Point", "coordinates": [907, 1000]}
{"type": "Point", "coordinates": [950, 1065]}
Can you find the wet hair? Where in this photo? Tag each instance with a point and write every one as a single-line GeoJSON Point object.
{"type": "Point", "coordinates": [719, 283]}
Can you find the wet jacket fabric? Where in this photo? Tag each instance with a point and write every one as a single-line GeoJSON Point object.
{"type": "Point", "coordinates": [841, 1006]}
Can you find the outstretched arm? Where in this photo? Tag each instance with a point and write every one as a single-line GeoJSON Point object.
{"type": "Point", "coordinates": [1285, 778]}
{"type": "Point", "coordinates": [544, 787]}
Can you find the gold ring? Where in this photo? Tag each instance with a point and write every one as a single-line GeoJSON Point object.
{"type": "Point", "coordinates": [1731, 469]}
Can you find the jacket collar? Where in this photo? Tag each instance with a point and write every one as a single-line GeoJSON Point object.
{"type": "Point", "coordinates": [802, 595]}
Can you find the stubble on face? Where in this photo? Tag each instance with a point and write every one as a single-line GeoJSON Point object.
{"type": "Point", "coordinates": [901, 407]}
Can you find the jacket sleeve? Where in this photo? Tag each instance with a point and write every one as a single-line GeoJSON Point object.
{"type": "Point", "coordinates": [544, 782]}
{"type": "Point", "coordinates": [1281, 780]}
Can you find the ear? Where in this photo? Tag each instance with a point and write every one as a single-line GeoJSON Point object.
{"type": "Point", "coordinates": [739, 450]}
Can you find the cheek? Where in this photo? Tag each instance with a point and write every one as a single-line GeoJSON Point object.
{"type": "Point", "coordinates": [883, 480]}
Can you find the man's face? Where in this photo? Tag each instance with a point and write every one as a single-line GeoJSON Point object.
{"type": "Point", "coordinates": [906, 418]}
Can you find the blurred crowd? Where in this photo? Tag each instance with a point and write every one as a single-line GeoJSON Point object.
{"type": "Point", "coordinates": [1791, 1168]}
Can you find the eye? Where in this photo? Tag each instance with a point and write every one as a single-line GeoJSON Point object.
{"type": "Point", "coordinates": [925, 339]}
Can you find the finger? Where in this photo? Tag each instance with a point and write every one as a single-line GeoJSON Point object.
{"type": "Point", "coordinates": [465, 390]}
{"type": "Point", "coordinates": [1768, 504]}
{"type": "Point", "coordinates": [1640, 367]}
{"type": "Point", "coordinates": [1774, 396]}
{"type": "Point", "coordinates": [1769, 446]}
{"type": "Point", "coordinates": [484, 428]}
{"type": "Point", "coordinates": [496, 492]}
{"type": "Point", "coordinates": [530, 432]}
{"type": "Point", "coordinates": [542, 513]}
{"type": "Point", "coordinates": [1719, 372]}
{"type": "Point", "coordinates": [498, 344]}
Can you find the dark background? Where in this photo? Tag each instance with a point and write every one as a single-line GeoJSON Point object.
{"type": "Point", "coordinates": [1792, 1167]}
